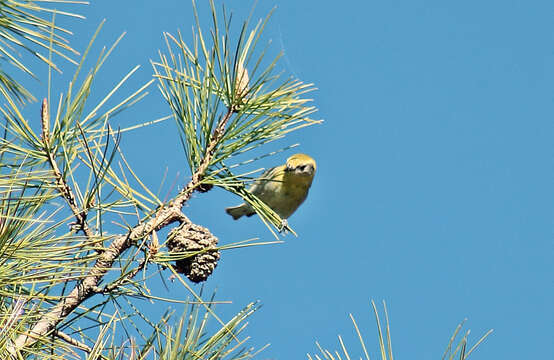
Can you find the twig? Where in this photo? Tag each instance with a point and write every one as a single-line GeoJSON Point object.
{"type": "Point", "coordinates": [186, 193]}
{"type": "Point", "coordinates": [63, 186]}
{"type": "Point", "coordinates": [68, 339]}
{"type": "Point", "coordinates": [122, 281]}
{"type": "Point", "coordinates": [89, 285]}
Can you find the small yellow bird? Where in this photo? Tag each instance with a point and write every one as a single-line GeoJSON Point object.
{"type": "Point", "coordinates": [283, 188]}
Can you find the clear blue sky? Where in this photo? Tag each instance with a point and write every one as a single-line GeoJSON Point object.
{"type": "Point", "coordinates": [434, 183]}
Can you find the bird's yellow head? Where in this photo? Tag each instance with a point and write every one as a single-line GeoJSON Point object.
{"type": "Point", "coordinates": [301, 164]}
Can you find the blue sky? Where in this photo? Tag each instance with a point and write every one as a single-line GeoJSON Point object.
{"type": "Point", "coordinates": [434, 183]}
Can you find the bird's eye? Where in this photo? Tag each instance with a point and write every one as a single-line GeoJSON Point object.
{"type": "Point", "coordinates": [302, 167]}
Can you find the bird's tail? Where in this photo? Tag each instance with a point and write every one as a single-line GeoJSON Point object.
{"type": "Point", "coordinates": [238, 211]}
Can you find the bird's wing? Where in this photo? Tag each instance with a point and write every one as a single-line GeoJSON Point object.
{"type": "Point", "coordinates": [266, 176]}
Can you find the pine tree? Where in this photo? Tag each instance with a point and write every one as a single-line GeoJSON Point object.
{"type": "Point", "coordinates": [64, 271]}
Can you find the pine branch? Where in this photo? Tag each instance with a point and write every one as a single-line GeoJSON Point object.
{"type": "Point", "coordinates": [260, 106]}
{"type": "Point", "coordinates": [125, 279]}
{"type": "Point", "coordinates": [72, 341]}
{"type": "Point", "coordinates": [24, 26]}
{"type": "Point", "coordinates": [62, 185]}
{"type": "Point", "coordinates": [163, 217]}
{"type": "Point", "coordinates": [205, 163]}
{"type": "Point", "coordinates": [225, 114]}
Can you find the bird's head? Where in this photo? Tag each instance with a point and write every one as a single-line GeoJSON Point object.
{"type": "Point", "coordinates": [301, 164]}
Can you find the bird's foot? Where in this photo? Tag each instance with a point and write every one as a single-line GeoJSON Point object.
{"type": "Point", "coordinates": [284, 229]}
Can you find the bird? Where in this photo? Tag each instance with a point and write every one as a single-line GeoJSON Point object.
{"type": "Point", "coordinates": [283, 188]}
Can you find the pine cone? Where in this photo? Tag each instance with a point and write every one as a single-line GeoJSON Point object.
{"type": "Point", "coordinates": [192, 238]}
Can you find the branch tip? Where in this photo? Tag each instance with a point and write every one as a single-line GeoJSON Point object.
{"type": "Point", "coordinates": [45, 121]}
